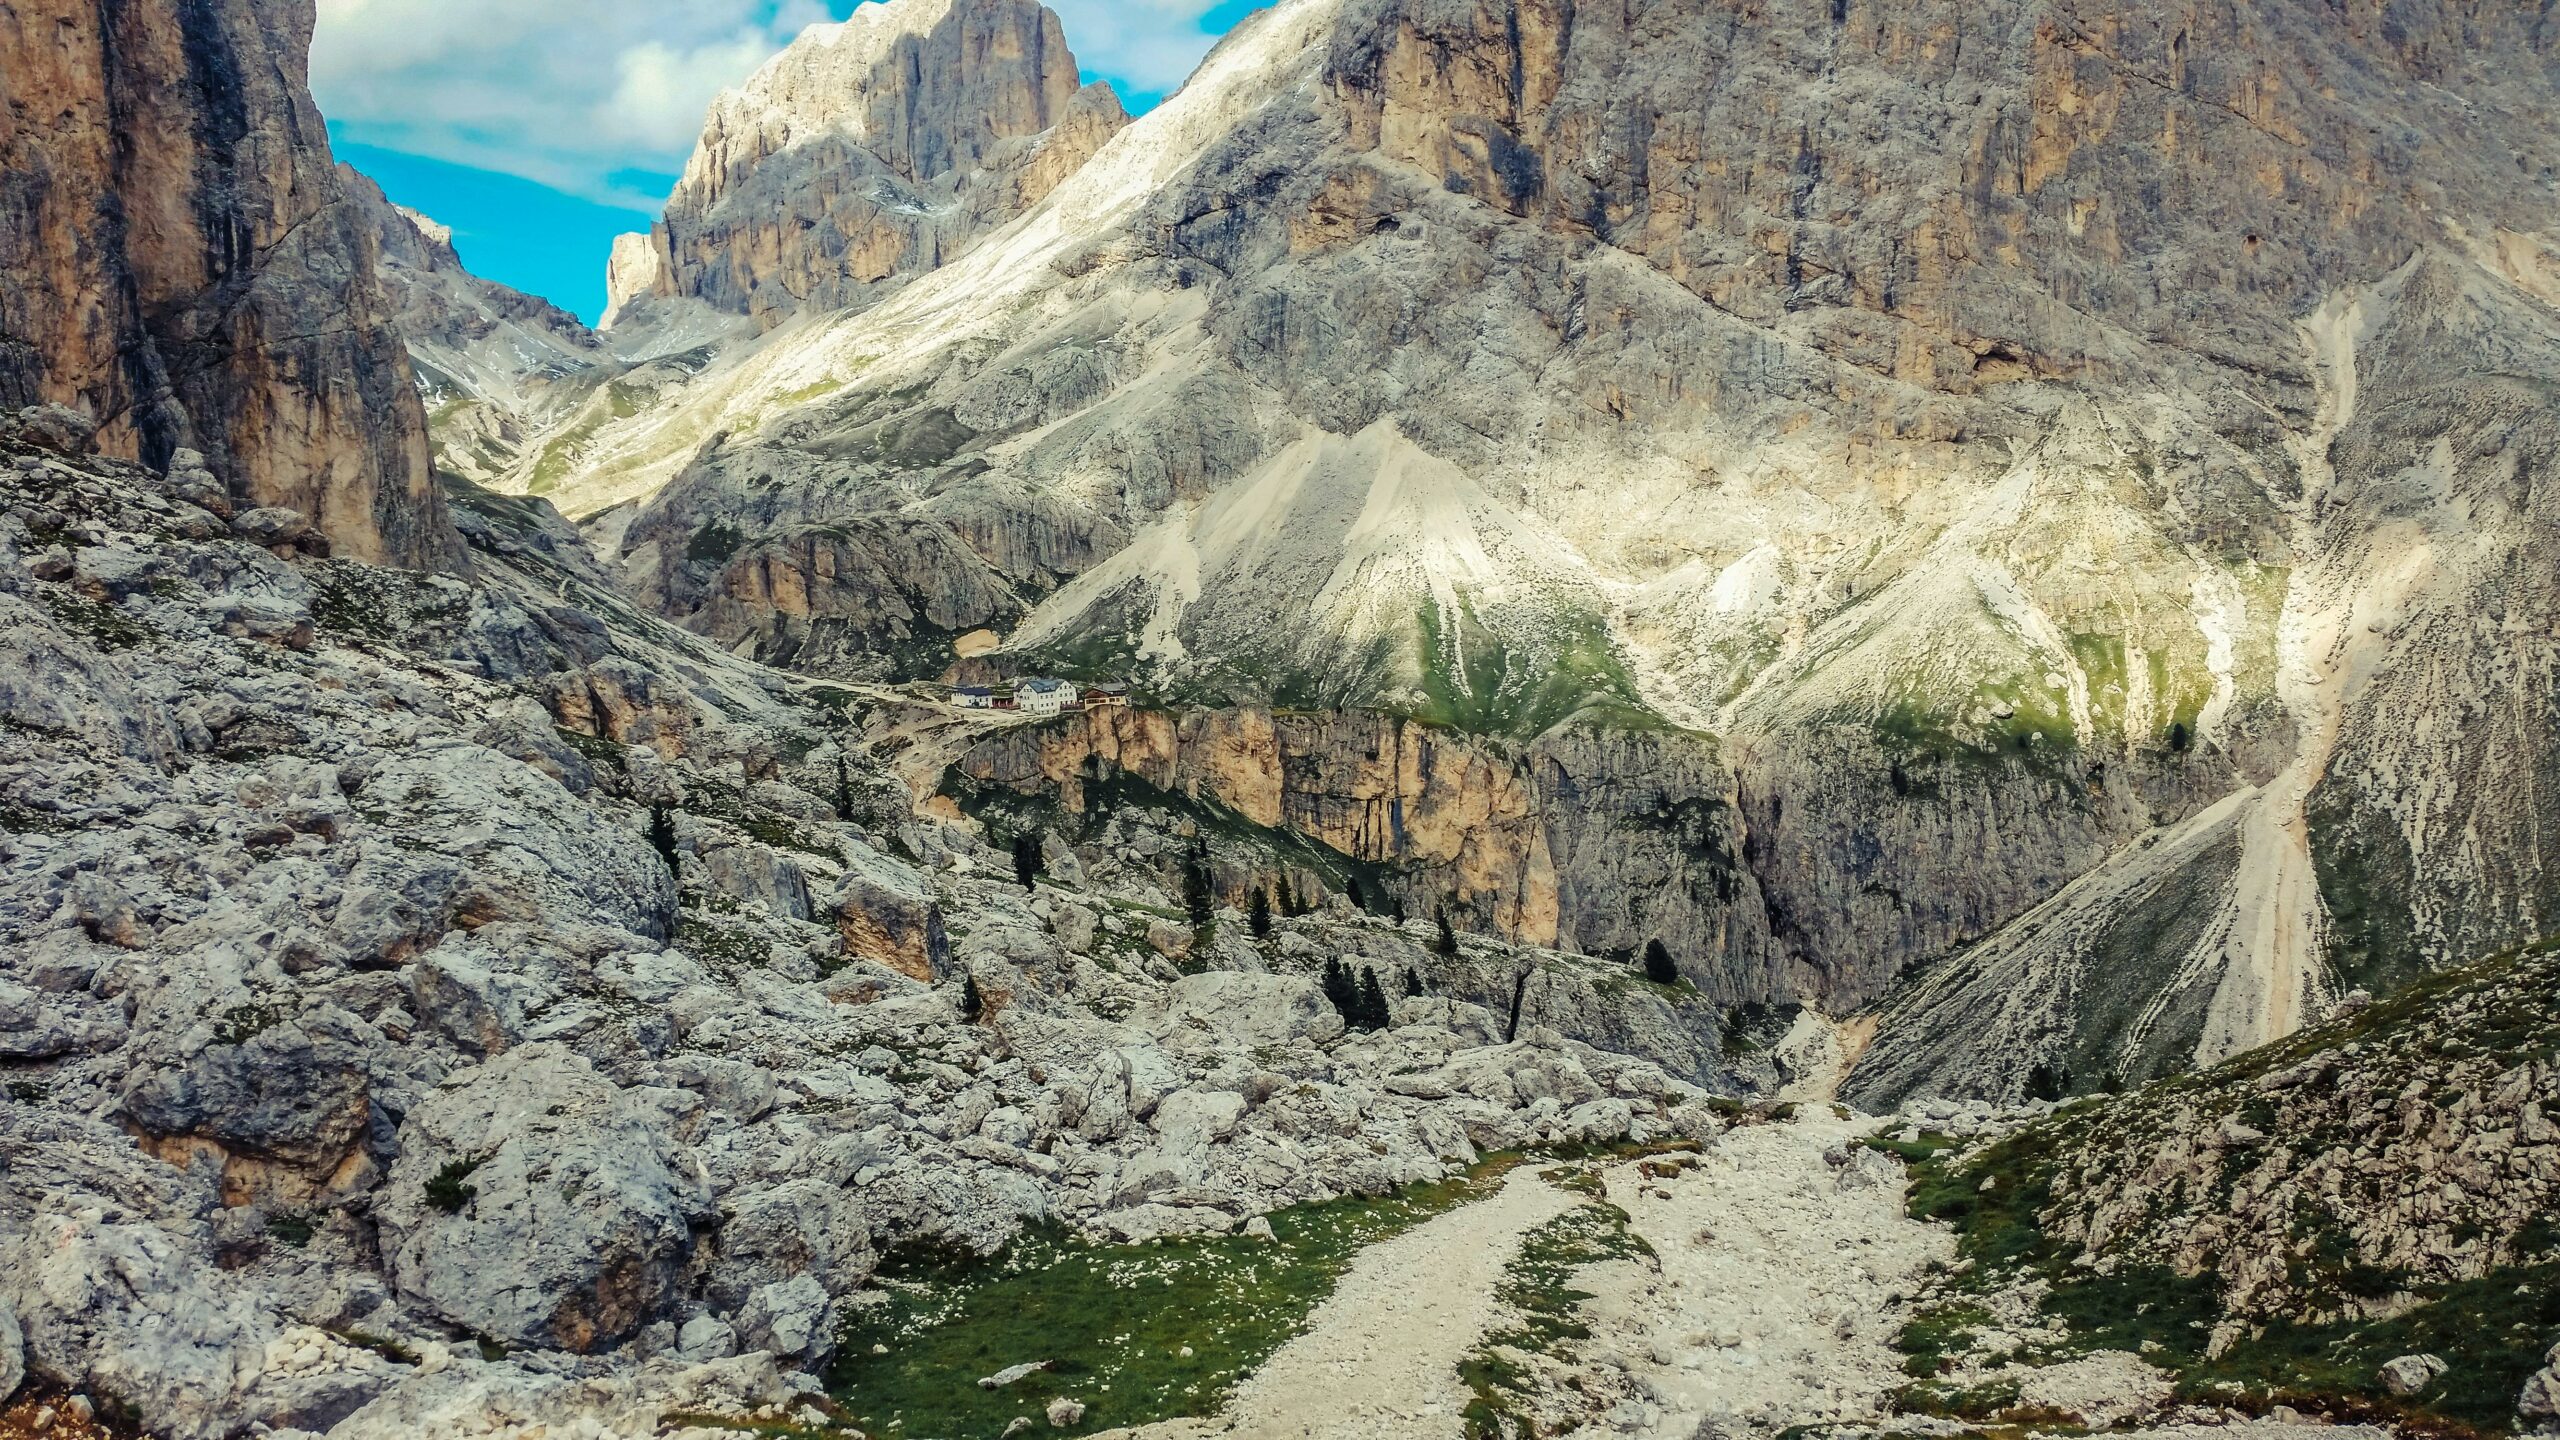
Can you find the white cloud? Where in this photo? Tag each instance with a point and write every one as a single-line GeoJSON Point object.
{"type": "Point", "coordinates": [571, 93]}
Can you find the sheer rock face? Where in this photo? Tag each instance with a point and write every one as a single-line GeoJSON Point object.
{"type": "Point", "coordinates": [178, 257]}
{"type": "Point", "coordinates": [1591, 840]}
{"type": "Point", "coordinates": [869, 151]}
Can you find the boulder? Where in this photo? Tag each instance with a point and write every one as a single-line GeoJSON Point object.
{"type": "Point", "coordinates": [791, 1321]}
{"type": "Point", "coordinates": [270, 526]}
{"type": "Point", "coordinates": [27, 1030]}
{"type": "Point", "coordinates": [280, 1102]}
{"type": "Point", "coordinates": [1238, 1013]}
{"type": "Point", "coordinates": [58, 428]}
{"type": "Point", "coordinates": [2411, 1374]}
{"type": "Point", "coordinates": [1012, 1373]}
{"type": "Point", "coordinates": [707, 1337]}
{"type": "Point", "coordinates": [1065, 1413]}
{"type": "Point", "coordinates": [755, 874]}
{"type": "Point", "coordinates": [108, 1286]}
{"type": "Point", "coordinates": [2541, 1398]}
{"type": "Point", "coordinates": [539, 1203]}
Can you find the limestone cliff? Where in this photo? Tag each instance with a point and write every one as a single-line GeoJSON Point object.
{"type": "Point", "coordinates": [868, 151]}
{"type": "Point", "coordinates": [1591, 840]}
{"type": "Point", "coordinates": [179, 258]}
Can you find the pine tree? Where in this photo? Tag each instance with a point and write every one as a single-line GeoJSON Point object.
{"type": "Point", "coordinates": [1258, 914]}
{"type": "Point", "coordinates": [1359, 898]}
{"type": "Point", "coordinates": [1658, 966]}
{"type": "Point", "coordinates": [1339, 989]}
{"type": "Point", "coordinates": [1374, 1011]}
{"type": "Point", "coordinates": [2047, 1082]}
{"type": "Point", "coordinates": [1448, 934]}
{"type": "Point", "coordinates": [973, 1005]}
{"type": "Point", "coordinates": [1399, 909]}
{"type": "Point", "coordinates": [1026, 861]}
{"type": "Point", "coordinates": [844, 789]}
{"type": "Point", "coordinates": [1199, 887]}
{"type": "Point", "coordinates": [662, 836]}
{"type": "Point", "coordinates": [1412, 983]}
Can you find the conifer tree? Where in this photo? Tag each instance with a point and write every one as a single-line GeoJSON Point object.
{"type": "Point", "coordinates": [1026, 861]}
{"type": "Point", "coordinates": [1258, 914]}
{"type": "Point", "coordinates": [973, 1004]}
{"type": "Point", "coordinates": [1658, 966]}
{"type": "Point", "coordinates": [1374, 1011]}
{"type": "Point", "coordinates": [1359, 898]}
{"type": "Point", "coordinates": [844, 789]}
{"type": "Point", "coordinates": [1339, 989]}
{"type": "Point", "coordinates": [1199, 887]}
{"type": "Point", "coordinates": [1412, 983]}
{"type": "Point", "coordinates": [1448, 934]}
{"type": "Point", "coordinates": [662, 837]}
{"type": "Point", "coordinates": [1519, 1001]}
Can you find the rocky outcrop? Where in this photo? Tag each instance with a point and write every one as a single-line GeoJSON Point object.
{"type": "Point", "coordinates": [867, 596]}
{"type": "Point", "coordinates": [181, 261]}
{"type": "Point", "coordinates": [869, 151]}
{"type": "Point", "coordinates": [2376, 1190]}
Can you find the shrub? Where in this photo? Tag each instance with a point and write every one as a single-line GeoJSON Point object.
{"type": "Point", "coordinates": [447, 1192]}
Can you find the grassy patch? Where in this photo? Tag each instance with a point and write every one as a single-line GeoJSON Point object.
{"type": "Point", "coordinates": [1477, 678]}
{"type": "Point", "coordinates": [106, 626]}
{"type": "Point", "coordinates": [1537, 1288]}
{"type": "Point", "coordinates": [291, 1228]}
{"type": "Point", "coordinates": [721, 946]}
{"type": "Point", "coordinates": [1113, 1322]}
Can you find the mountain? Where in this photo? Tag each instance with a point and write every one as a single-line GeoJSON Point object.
{"type": "Point", "coordinates": [2003, 544]}
{"type": "Point", "coordinates": [869, 151]}
{"type": "Point", "coordinates": [182, 264]}
{"type": "Point", "coordinates": [469, 338]}
{"type": "Point", "coordinates": [2073, 463]}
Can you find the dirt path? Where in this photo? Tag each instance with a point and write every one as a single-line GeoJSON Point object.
{"type": "Point", "coordinates": [1380, 1358]}
{"type": "Point", "coordinates": [1770, 1308]}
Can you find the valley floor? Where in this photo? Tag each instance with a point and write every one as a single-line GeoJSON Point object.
{"type": "Point", "coordinates": [1782, 1266]}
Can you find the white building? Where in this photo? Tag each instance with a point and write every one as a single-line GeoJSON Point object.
{"type": "Point", "coordinates": [1043, 697]}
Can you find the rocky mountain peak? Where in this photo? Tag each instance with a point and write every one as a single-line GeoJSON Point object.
{"type": "Point", "coordinates": [872, 150]}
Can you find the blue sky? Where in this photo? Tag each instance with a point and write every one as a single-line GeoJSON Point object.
{"type": "Point", "coordinates": [539, 131]}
